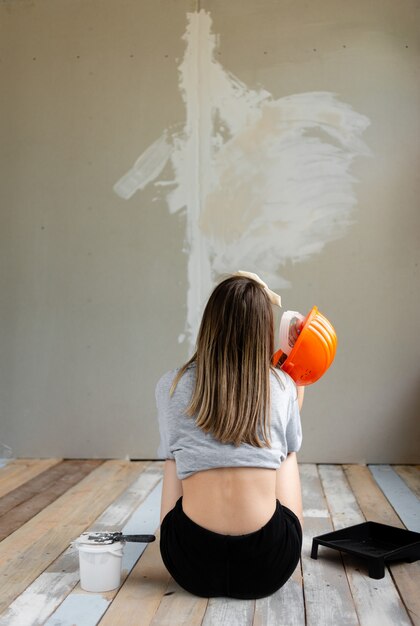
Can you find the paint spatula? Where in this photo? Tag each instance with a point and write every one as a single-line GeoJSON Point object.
{"type": "Point", "coordinates": [112, 537]}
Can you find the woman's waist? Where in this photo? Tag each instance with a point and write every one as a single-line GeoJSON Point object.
{"type": "Point", "coordinates": [230, 500]}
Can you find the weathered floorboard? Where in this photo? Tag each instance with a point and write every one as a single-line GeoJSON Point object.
{"type": "Point", "coordinates": [29, 550]}
{"type": "Point", "coordinates": [179, 608]}
{"type": "Point", "coordinates": [399, 495]}
{"type": "Point", "coordinates": [370, 499]}
{"type": "Point", "coordinates": [376, 508]}
{"type": "Point", "coordinates": [285, 607]}
{"type": "Point", "coordinates": [19, 471]}
{"type": "Point", "coordinates": [328, 600]}
{"type": "Point", "coordinates": [47, 592]}
{"type": "Point", "coordinates": [138, 599]}
{"type": "Point", "coordinates": [24, 502]}
{"type": "Point", "coordinates": [229, 611]}
{"type": "Point", "coordinates": [376, 601]}
{"type": "Point", "coordinates": [410, 475]}
{"type": "Point", "coordinates": [39, 569]}
{"type": "Point", "coordinates": [143, 521]}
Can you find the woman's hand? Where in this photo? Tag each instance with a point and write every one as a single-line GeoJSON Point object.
{"type": "Point", "coordinates": [295, 328]}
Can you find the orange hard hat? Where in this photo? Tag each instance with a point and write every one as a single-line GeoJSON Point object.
{"type": "Point", "coordinates": [313, 351]}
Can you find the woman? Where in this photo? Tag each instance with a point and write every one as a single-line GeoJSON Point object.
{"type": "Point", "coordinates": [230, 429]}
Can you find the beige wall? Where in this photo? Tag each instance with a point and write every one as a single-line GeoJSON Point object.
{"type": "Point", "coordinates": [94, 288]}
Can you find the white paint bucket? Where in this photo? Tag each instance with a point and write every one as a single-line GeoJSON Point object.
{"type": "Point", "coordinates": [100, 564]}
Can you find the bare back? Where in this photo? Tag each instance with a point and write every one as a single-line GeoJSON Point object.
{"type": "Point", "coordinates": [230, 500]}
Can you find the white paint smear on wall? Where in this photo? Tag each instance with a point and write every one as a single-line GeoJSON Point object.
{"type": "Point", "coordinates": [263, 181]}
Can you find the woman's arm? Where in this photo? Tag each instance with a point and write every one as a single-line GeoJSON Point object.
{"type": "Point", "coordinates": [288, 489]}
{"type": "Point", "coordinates": [300, 395]}
{"type": "Point", "coordinates": [171, 490]}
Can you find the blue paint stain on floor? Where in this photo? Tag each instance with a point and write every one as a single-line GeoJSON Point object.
{"type": "Point", "coordinates": [79, 610]}
{"type": "Point", "coordinates": [403, 500]}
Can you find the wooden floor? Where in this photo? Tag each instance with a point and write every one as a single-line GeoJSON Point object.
{"type": "Point", "coordinates": [45, 504]}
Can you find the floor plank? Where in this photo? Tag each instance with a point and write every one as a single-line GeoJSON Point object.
{"type": "Point", "coordinates": [29, 550]}
{"type": "Point", "coordinates": [410, 475]}
{"type": "Point", "coordinates": [376, 508]}
{"type": "Point", "coordinates": [40, 569]}
{"type": "Point", "coordinates": [285, 607]}
{"type": "Point", "coordinates": [139, 598]}
{"type": "Point", "coordinates": [370, 499]}
{"type": "Point", "coordinates": [404, 501]}
{"type": "Point", "coordinates": [179, 608]}
{"type": "Point", "coordinates": [229, 611]}
{"type": "Point", "coordinates": [376, 601]}
{"type": "Point", "coordinates": [24, 502]}
{"type": "Point", "coordinates": [144, 520]}
{"type": "Point", "coordinates": [47, 592]}
{"type": "Point", "coordinates": [19, 471]}
{"type": "Point", "coordinates": [41, 598]}
{"type": "Point", "coordinates": [328, 600]}
{"type": "Point", "coordinates": [79, 611]}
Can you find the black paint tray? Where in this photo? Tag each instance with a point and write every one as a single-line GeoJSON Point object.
{"type": "Point", "coordinates": [376, 543]}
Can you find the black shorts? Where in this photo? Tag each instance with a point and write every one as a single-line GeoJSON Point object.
{"type": "Point", "coordinates": [250, 566]}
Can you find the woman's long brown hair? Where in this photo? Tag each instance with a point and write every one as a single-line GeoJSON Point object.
{"type": "Point", "coordinates": [231, 397]}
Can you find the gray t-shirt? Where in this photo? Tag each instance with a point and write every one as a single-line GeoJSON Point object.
{"type": "Point", "coordinates": [194, 450]}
